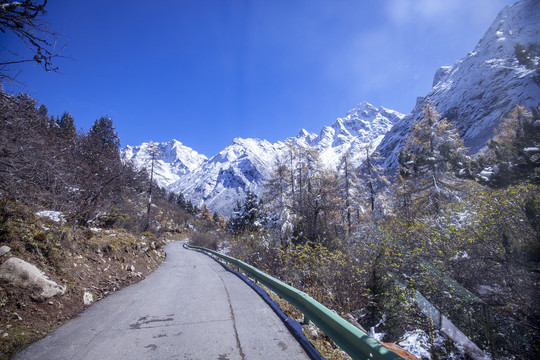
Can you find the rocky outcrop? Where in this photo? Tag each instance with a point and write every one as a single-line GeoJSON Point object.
{"type": "Point", "coordinates": [24, 275]}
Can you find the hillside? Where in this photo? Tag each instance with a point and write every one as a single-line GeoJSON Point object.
{"type": "Point", "coordinates": [480, 89]}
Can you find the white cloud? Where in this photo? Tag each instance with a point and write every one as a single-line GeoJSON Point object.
{"type": "Point", "coordinates": [439, 12]}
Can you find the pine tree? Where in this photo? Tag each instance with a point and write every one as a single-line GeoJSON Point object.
{"type": "Point", "coordinates": [247, 216]}
{"type": "Point", "coordinates": [66, 125]}
{"type": "Point", "coordinates": [181, 201]}
{"type": "Point", "coordinates": [103, 136]}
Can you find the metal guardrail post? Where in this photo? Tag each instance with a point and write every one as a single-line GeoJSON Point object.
{"type": "Point", "coordinates": [352, 340]}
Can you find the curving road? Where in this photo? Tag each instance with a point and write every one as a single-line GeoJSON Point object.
{"type": "Point", "coordinates": [189, 308]}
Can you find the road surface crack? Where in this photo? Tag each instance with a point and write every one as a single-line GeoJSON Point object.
{"type": "Point", "coordinates": [234, 321]}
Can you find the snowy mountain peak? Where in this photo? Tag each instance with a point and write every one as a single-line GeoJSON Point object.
{"type": "Point", "coordinates": [304, 134]}
{"type": "Point", "coordinates": [173, 160]}
{"type": "Point", "coordinates": [514, 24]}
{"type": "Point", "coordinates": [482, 87]}
{"type": "Point", "coordinates": [245, 163]}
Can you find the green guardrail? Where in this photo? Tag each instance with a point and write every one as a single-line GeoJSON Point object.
{"type": "Point", "coordinates": [352, 340]}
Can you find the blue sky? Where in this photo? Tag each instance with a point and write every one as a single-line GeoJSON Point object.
{"type": "Point", "coordinates": [207, 71]}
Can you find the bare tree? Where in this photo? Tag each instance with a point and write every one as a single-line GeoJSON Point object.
{"type": "Point", "coordinates": [154, 153]}
{"type": "Point", "coordinates": [22, 20]}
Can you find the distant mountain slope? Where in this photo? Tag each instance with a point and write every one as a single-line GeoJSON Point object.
{"type": "Point", "coordinates": [360, 126]}
{"type": "Point", "coordinates": [244, 165]}
{"type": "Point", "coordinates": [175, 160]}
{"type": "Point", "coordinates": [481, 88]}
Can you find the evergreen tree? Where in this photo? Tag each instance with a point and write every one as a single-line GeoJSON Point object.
{"type": "Point", "coordinates": [102, 170]}
{"type": "Point", "coordinates": [247, 216]}
{"type": "Point", "coordinates": [102, 135]}
{"type": "Point", "coordinates": [181, 201]}
{"type": "Point", "coordinates": [66, 125]}
{"type": "Point", "coordinates": [172, 198]}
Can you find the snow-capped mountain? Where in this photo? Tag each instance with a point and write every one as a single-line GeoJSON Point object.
{"type": "Point", "coordinates": [481, 88]}
{"type": "Point", "coordinates": [361, 126]}
{"type": "Point", "coordinates": [228, 176]}
{"type": "Point", "coordinates": [475, 93]}
{"type": "Point", "coordinates": [173, 160]}
{"type": "Point", "coordinates": [244, 165]}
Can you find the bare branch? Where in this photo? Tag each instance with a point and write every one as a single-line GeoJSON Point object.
{"type": "Point", "coordinates": [21, 19]}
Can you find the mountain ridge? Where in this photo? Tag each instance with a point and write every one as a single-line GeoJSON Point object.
{"type": "Point", "coordinates": [243, 165]}
{"type": "Point", "coordinates": [476, 93]}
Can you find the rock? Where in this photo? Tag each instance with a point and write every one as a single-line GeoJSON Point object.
{"type": "Point", "coordinates": [4, 250]}
{"type": "Point", "coordinates": [311, 331]}
{"type": "Point", "coordinates": [131, 268]}
{"type": "Point", "coordinates": [88, 298]}
{"type": "Point", "coordinates": [353, 321]}
{"type": "Point", "coordinates": [21, 274]}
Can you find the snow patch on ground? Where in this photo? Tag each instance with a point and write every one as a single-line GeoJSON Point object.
{"type": "Point", "coordinates": [53, 215]}
{"type": "Point", "coordinates": [417, 343]}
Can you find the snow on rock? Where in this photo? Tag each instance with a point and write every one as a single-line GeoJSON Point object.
{"type": "Point", "coordinates": [482, 87]}
{"type": "Point", "coordinates": [53, 215]}
{"type": "Point", "coordinates": [21, 274]}
{"type": "Point", "coordinates": [361, 126]}
{"type": "Point", "coordinates": [417, 343]}
{"type": "Point", "coordinates": [228, 176]}
{"type": "Point", "coordinates": [475, 93]}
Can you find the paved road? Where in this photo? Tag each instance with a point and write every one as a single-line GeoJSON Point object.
{"type": "Point", "coordinates": [189, 308]}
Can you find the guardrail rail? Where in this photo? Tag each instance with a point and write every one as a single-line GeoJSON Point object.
{"type": "Point", "coordinates": [348, 337]}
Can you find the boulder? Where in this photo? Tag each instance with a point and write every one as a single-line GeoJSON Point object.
{"type": "Point", "coordinates": [4, 250]}
{"type": "Point", "coordinates": [21, 274]}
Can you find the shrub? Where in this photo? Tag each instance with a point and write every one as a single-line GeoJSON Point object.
{"type": "Point", "coordinates": [207, 240]}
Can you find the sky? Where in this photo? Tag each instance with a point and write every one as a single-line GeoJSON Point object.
{"type": "Point", "coordinates": [207, 71]}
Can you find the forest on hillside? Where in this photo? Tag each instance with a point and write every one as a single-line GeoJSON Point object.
{"type": "Point", "coordinates": [46, 162]}
{"type": "Point", "coordinates": [68, 203]}
{"type": "Point", "coordinates": [461, 231]}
